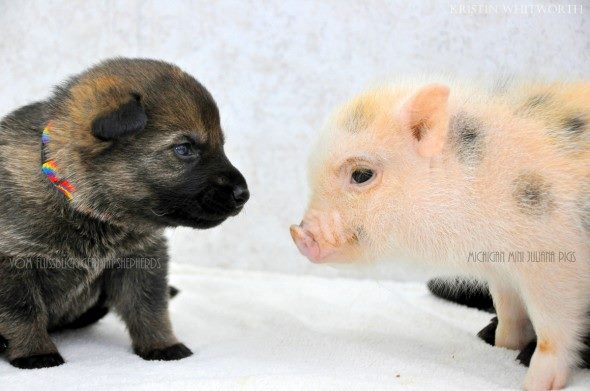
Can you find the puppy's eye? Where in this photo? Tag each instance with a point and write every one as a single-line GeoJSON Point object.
{"type": "Point", "coordinates": [361, 175]}
{"type": "Point", "coordinates": [184, 150]}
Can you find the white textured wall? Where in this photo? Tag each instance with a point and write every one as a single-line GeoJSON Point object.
{"type": "Point", "coordinates": [276, 69]}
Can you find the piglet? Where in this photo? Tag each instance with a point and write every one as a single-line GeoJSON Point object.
{"type": "Point", "coordinates": [493, 184]}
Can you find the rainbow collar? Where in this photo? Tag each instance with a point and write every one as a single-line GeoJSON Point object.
{"type": "Point", "coordinates": [49, 167]}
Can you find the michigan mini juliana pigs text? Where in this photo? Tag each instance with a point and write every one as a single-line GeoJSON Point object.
{"type": "Point", "coordinates": [89, 180]}
{"type": "Point", "coordinates": [491, 184]}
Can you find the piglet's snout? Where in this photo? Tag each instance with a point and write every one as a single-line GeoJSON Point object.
{"type": "Point", "coordinates": [321, 236]}
{"type": "Point", "coordinates": [306, 243]}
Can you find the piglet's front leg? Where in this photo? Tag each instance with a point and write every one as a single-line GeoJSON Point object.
{"type": "Point", "coordinates": [139, 294]}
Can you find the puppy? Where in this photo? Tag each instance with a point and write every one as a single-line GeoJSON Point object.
{"type": "Point", "coordinates": [491, 184]}
{"type": "Point", "coordinates": [89, 180]}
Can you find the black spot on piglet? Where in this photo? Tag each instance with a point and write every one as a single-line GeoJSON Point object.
{"type": "Point", "coordinates": [532, 194]}
{"type": "Point", "coordinates": [466, 133]}
{"type": "Point", "coordinates": [575, 125]}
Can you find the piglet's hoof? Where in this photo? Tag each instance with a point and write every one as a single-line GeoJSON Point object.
{"type": "Point", "coordinates": [488, 333]}
{"type": "Point", "coordinates": [38, 361]}
{"type": "Point", "coordinates": [174, 352]}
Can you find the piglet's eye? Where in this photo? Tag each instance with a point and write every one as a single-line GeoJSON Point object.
{"type": "Point", "coordinates": [361, 175]}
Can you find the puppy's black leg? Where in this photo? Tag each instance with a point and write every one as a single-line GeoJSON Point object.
{"type": "Point", "coordinates": [463, 292]}
{"type": "Point", "coordinates": [38, 361]}
{"type": "Point", "coordinates": [29, 344]}
{"type": "Point", "coordinates": [24, 322]}
{"type": "Point", "coordinates": [140, 295]}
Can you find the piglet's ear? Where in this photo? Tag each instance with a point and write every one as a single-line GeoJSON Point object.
{"type": "Point", "coordinates": [425, 116]}
{"type": "Point", "coordinates": [127, 119]}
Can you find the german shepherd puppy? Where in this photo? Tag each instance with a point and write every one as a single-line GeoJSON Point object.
{"type": "Point", "coordinates": [88, 181]}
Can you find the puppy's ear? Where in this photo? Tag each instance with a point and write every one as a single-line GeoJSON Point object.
{"type": "Point", "coordinates": [425, 116]}
{"type": "Point", "coordinates": [127, 119]}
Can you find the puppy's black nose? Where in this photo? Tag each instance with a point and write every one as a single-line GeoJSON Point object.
{"type": "Point", "coordinates": [241, 195]}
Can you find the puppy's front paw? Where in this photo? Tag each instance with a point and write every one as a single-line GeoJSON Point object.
{"type": "Point", "coordinates": [174, 352]}
{"type": "Point", "coordinates": [488, 333]}
{"type": "Point", "coordinates": [38, 361]}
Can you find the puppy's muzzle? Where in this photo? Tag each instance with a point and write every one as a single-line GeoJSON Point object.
{"type": "Point", "coordinates": [227, 195]}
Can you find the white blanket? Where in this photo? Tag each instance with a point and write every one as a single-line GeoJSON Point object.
{"type": "Point", "coordinates": [253, 330]}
